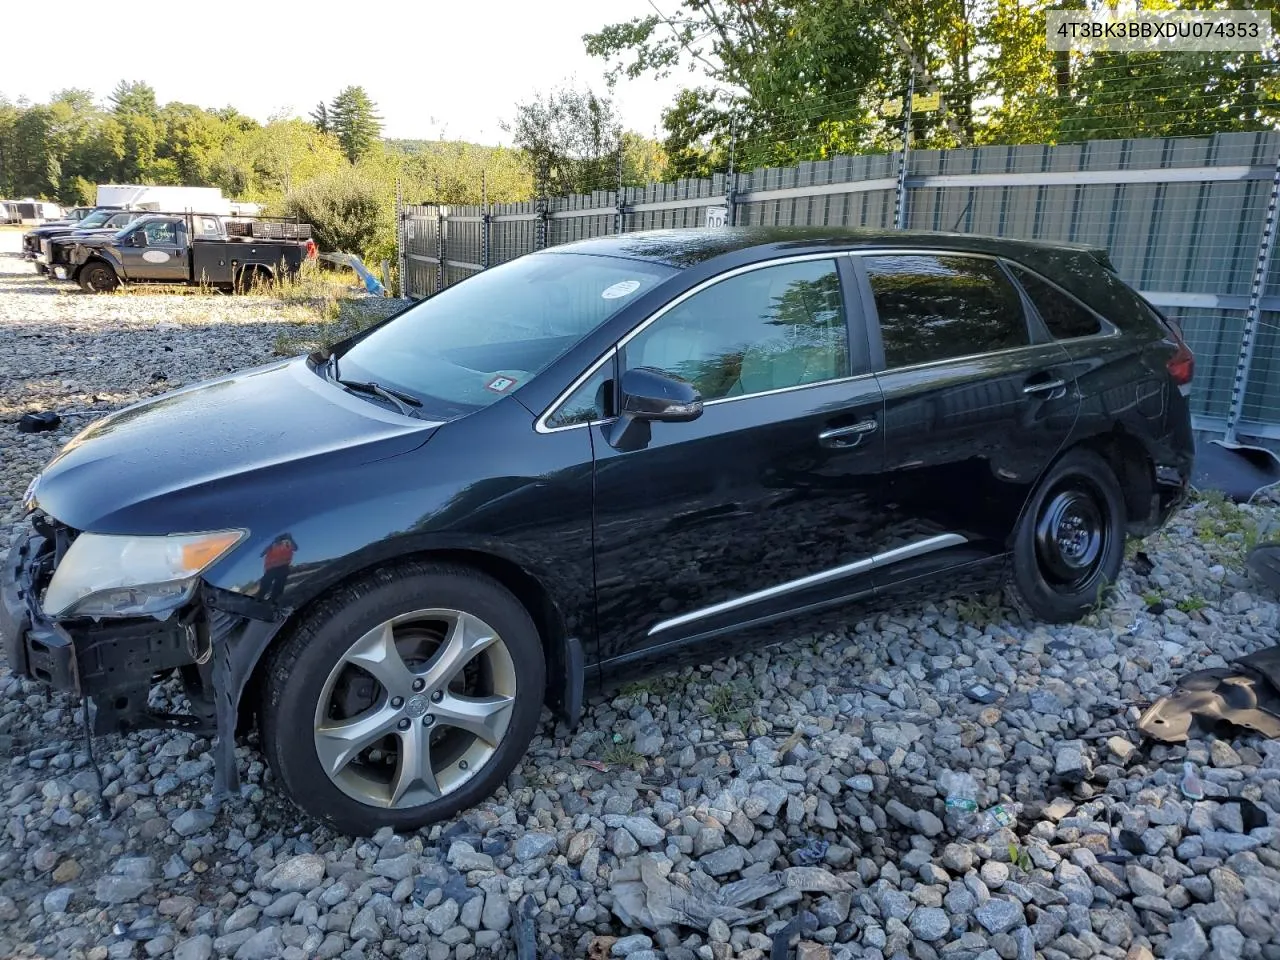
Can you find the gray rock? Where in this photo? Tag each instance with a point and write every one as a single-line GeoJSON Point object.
{"type": "Point", "coordinates": [199, 947]}
{"type": "Point", "coordinates": [300, 874]}
{"type": "Point", "coordinates": [927, 823]}
{"type": "Point", "coordinates": [929, 923]}
{"type": "Point", "coordinates": [441, 918]}
{"type": "Point", "coordinates": [1186, 941]}
{"type": "Point", "coordinates": [55, 901]}
{"type": "Point", "coordinates": [720, 862]}
{"type": "Point", "coordinates": [645, 831]}
{"type": "Point", "coordinates": [999, 916]}
{"type": "Point", "coordinates": [396, 868]}
{"type": "Point", "coordinates": [648, 740]}
{"type": "Point", "coordinates": [1143, 882]}
{"type": "Point", "coordinates": [365, 926]}
{"type": "Point", "coordinates": [626, 946]}
{"type": "Point", "coordinates": [113, 889]}
{"type": "Point", "coordinates": [496, 914]}
{"type": "Point", "coordinates": [263, 945]}
{"type": "Point", "coordinates": [957, 858]}
{"type": "Point", "coordinates": [534, 845]}
{"type": "Point", "coordinates": [191, 822]}
{"type": "Point", "coordinates": [464, 857]}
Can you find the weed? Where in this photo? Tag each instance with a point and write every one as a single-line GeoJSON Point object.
{"type": "Point", "coordinates": [620, 754]}
{"type": "Point", "coordinates": [1191, 604]}
{"type": "Point", "coordinates": [1019, 857]}
{"type": "Point", "coordinates": [725, 704]}
{"type": "Point", "coordinates": [979, 610]}
{"type": "Point", "coordinates": [1151, 598]}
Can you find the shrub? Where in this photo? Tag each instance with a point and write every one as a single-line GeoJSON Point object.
{"type": "Point", "coordinates": [347, 212]}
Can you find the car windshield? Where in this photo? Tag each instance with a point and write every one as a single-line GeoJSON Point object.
{"type": "Point", "coordinates": [95, 219]}
{"type": "Point", "coordinates": [473, 342]}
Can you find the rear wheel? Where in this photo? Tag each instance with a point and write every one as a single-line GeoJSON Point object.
{"type": "Point", "coordinates": [1069, 544]}
{"type": "Point", "coordinates": [403, 698]}
{"type": "Point", "coordinates": [98, 277]}
{"type": "Point", "coordinates": [252, 278]}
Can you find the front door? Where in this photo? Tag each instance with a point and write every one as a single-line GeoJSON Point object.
{"type": "Point", "coordinates": [766, 504]}
{"type": "Point", "coordinates": [977, 404]}
{"type": "Point", "coordinates": [163, 254]}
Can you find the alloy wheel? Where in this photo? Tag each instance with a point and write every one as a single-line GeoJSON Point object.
{"type": "Point", "coordinates": [415, 708]}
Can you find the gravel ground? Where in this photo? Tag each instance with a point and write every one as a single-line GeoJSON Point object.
{"type": "Point", "coordinates": [692, 816]}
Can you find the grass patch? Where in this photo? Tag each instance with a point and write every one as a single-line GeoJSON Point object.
{"type": "Point", "coordinates": [1191, 604]}
{"type": "Point", "coordinates": [726, 703]}
{"type": "Point", "coordinates": [620, 754]}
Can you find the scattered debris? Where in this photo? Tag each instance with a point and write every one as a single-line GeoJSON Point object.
{"type": "Point", "coordinates": [1245, 694]}
{"type": "Point", "coordinates": [39, 422]}
{"type": "Point", "coordinates": [1190, 784]}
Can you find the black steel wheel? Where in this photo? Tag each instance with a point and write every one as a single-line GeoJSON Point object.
{"type": "Point", "coordinates": [1069, 544]}
{"type": "Point", "coordinates": [98, 277]}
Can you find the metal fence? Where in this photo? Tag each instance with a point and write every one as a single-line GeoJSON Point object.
{"type": "Point", "coordinates": [1189, 222]}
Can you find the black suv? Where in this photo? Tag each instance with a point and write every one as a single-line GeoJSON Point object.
{"type": "Point", "coordinates": [588, 463]}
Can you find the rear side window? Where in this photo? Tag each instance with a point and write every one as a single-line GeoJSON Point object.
{"type": "Point", "coordinates": [938, 307]}
{"type": "Point", "coordinates": [1062, 315]}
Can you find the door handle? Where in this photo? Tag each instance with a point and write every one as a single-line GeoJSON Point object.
{"type": "Point", "coordinates": [849, 436]}
{"type": "Point", "coordinates": [1044, 386]}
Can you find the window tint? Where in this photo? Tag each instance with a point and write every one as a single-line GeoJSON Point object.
{"type": "Point", "coordinates": [939, 307]}
{"type": "Point", "coordinates": [1064, 317]}
{"type": "Point", "coordinates": [591, 401]}
{"type": "Point", "coordinates": [766, 329]}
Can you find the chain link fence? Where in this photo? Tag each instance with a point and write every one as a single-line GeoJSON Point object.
{"type": "Point", "coordinates": [1188, 221]}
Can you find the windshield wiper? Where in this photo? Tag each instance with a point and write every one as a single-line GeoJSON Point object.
{"type": "Point", "coordinates": [402, 401]}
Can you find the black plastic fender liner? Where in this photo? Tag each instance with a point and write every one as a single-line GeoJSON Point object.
{"type": "Point", "coordinates": [241, 628]}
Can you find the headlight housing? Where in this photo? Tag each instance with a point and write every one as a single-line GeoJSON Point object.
{"type": "Point", "coordinates": [113, 576]}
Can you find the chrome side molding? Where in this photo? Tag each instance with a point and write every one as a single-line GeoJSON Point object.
{"type": "Point", "coordinates": [906, 552]}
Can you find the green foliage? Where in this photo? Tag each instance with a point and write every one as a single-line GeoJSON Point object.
{"type": "Point", "coordinates": [347, 211]}
{"type": "Point", "coordinates": [571, 139]}
{"type": "Point", "coordinates": [353, 118]}
{"type": "Point", "coordinates": [802, 79]}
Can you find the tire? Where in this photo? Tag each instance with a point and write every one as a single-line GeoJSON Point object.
{"type": "Point", "coordinates": [251, 278]}
{"type": "Point", "coordinates": [313, 692]}
{"type": "Point", "coordinates": [98, 277]}
{"type": "Point", "coordinates": [1069, 543]}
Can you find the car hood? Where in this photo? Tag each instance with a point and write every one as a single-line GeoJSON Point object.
{"type": "Point", "coordinates": [193, 457]}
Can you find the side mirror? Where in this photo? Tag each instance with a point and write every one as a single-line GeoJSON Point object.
{"type": "Point", "coordinates": [652, 394]}
{"type": "Point", "coordinates": [138, 239]}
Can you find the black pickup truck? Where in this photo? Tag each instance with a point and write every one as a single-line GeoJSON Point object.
{"type": "Point", "coordinates": [189, 249]}
{"type": "Point", "coordinates": [102, 218]}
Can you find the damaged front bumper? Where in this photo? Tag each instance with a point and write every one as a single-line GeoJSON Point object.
{"type": "Point", "coordinates": [211, 643]}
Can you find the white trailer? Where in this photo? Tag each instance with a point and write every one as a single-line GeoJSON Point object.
{"type": "Point", "coordinates": [164, 199]}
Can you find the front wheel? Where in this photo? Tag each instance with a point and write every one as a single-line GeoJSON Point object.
{"type": "Point", "coordinates": [1069, 544]}
{"type": "Point", "coordinates": [98, 278]}
{"type": "Point", "coordinates": [403, 698]}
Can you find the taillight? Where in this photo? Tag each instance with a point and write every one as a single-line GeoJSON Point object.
{"type": "Point", "coordinates": [1182, 365]}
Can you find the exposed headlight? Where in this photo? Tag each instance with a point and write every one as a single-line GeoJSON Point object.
{"type": "Point", "coordinates": [113, 576]}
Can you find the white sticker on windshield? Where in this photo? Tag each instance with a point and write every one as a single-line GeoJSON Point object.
{"type": "Point", "coordinates": [620, 289]}
{"type": "Point", "coordinates": [500, 384]}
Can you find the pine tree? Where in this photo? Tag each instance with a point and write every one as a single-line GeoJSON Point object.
{"type": "Point", "coordinates": [320, 117]}
{"type": "Point", "coordinates": [353, 118]}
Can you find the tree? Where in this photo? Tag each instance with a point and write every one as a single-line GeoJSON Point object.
{"type": "Point", "coordinates": [346, 210]}
{"type": "Point", "coordinates": [134, 97]}
{"type": "Point", "coordinates": [320, 117]}
{"type": "Point", "coordinates": [571, 137]}
{"type": "Point", "coordinates": [353, 117]}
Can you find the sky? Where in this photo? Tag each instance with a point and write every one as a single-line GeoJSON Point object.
{"type": "Point", "coordinates": [454, 69]}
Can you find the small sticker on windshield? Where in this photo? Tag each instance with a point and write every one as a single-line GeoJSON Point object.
{"type": "Point", "coordinates": [500, 384]}
{"type": "Point", "coordinates": [620, 289]}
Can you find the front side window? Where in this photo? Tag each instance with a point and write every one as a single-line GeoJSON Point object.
{"type": "Point", "coordinates": [476, 341]}
{"type": "Point", "coordinates": [939, 307]}
{"type": "Point", "coordinates": [161, 233]}
{"type": "Point", "coordinates": [591, 401]}
{"type": "Point", "coordinates": [1064, 317]}
{"type": "Point", "coordinates": [766, 329]}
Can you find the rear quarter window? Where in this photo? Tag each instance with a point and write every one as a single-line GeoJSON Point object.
{"type": "Point", "coordinates": [1064, 316]}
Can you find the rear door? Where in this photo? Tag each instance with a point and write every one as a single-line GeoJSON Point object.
{"type": "Point", "coordinates": [767, 503]}
{"type": "Point", "coordinates": [978, 401]}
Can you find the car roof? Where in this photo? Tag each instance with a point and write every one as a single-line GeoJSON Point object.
{"type": "Point", "coordinates": [687, 247]}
